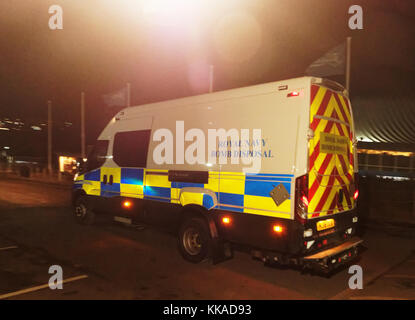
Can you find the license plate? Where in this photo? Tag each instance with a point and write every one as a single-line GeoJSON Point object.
{"type": "Point", "coordinates": [325, 224]}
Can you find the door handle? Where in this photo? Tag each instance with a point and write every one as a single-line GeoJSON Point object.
{"type": "Point", "coordinates": [111, 179]}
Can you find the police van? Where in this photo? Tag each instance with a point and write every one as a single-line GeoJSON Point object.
{"type": "Point", "coordinates": [270, 167]}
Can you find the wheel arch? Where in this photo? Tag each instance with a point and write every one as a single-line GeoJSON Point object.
{"type": "Point", "coordinates": [76, 194]}
{"type": "Point", "coordinates": [197, 211]}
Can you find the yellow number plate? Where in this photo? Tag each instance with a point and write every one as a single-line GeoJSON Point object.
{"type": "Point", "coordinates": [325, 224]}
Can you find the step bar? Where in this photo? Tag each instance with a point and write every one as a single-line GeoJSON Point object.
{"type": "Point", "coordinates": [332, 258]}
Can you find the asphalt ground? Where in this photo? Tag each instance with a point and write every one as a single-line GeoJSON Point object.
{"type": "Point", "coordinates": [112, 261]}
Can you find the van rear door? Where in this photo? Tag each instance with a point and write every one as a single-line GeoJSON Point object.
{"type": "Point", "coordinates": [331, 161]}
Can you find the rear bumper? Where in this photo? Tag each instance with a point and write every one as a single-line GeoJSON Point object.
{"type": "Point", "coordinates": [332, 258]}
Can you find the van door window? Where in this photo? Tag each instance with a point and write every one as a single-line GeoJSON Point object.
{"type": "Point", "coordinates": [131, 148]}
{"type": "Point", "coordinates": [97, 156]}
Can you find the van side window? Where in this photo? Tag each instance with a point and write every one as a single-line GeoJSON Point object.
{"type": "Point", "coordinates": [97, 156]}
{"type": "Point", "coordinates": [131, 148]}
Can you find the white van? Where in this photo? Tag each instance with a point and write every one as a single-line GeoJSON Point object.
{"type": "Point", "coordinates": [271, 167]}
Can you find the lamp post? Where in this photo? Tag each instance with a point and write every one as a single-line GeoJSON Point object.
{"type": "Point", "coordinates": [50, 137]}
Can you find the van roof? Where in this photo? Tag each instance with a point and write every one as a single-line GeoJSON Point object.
{"type": "Point", "coordinates": [216, 96]}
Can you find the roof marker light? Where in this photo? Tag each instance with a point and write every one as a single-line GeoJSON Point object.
{"type": "Point", "coordinates": [293, 94]}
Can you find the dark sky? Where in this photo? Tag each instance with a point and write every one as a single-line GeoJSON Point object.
{"type": "Point", "coordinates": [164, 52]}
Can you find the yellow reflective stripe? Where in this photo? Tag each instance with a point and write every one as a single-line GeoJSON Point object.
{"type": "Point", "coordinates": [191, 198]}
{"type": "Point", "coordinates": [213, 183]}
{"type": "Point", "coordinates": [265, 203]}
{"type": "Point", "coordinates": [153, 180]}
{"type": "Point", "coordinates": [315, 105]}
{"type": "Point", "coordinates": [131, 190]}
{"type": "Point", "coordinates": [232, 183]}
{"type": "Point", "coordinates": [114, 172]}
{"type": "Point", "coordinates": [346, 109]}
{"type": "Point", "coordinates": [92, 188]}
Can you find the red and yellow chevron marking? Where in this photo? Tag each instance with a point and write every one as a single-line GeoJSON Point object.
{"type": "Point", "coordinates": [329, 172]}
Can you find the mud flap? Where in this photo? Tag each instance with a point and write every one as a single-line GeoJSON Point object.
{"type": "Point", "coordinates": [327, 260]}
{"type": "Point", "coordinates": [220, 250]}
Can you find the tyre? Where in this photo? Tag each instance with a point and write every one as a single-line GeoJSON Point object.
{"type": "Point", "coordinates": [82, 213]}
{"type": "Point", "coordinates": [194, 240]}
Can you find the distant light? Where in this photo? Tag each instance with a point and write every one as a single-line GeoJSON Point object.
{"type": "Point", "coordinates": [36, 128]}
{"type": "Point", "coordinates": [6, 129]}
{"type": "Point", "coordinates": [6, 148]}
{"type": "Point", "coordinates": [209, 164]}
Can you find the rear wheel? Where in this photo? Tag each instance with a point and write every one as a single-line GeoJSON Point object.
{"type": "Point", "coordinates": [194, 240]}
{"type": "Point", "coordinates": [83, 214]}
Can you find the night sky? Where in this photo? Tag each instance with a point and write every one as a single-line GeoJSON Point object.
{"type": "Point", "coordinates": [165, 52]}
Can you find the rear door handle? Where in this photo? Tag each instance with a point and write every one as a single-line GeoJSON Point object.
{"type": "Point", "coordinates": [111, 179]}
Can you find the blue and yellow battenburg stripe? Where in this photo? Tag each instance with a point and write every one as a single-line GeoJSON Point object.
{"type": "Point", "coordinates": [238, 192]}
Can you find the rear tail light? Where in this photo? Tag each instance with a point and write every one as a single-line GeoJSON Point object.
{"type": "Point", "coordinates": [301, 198]}
{"type": "Point", "coordinates": [304, 200]}
{"type": "Point", "coordinates": [356, 186]}
{"type": "Point", "coordinates": [226, 220]}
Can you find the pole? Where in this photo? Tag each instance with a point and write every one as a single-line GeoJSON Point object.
{"type": "Point", "coordinates": [50, 137]}
{"type": "Point", "coordinates": [348, 61]}
{"type": "Point", "coordinates": [211, 70]}
{"type": "Point", "coordinates": [128, 94]}
{"type": "Point", "coordinates": [83, 125]}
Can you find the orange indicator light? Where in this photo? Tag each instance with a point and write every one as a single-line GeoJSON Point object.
{"type": "Point", "coordinates": [277, 228]}
{"type": "Point", "coordinates": [226, 220]}
{"type": "Point", "coordinates": [127, 204]}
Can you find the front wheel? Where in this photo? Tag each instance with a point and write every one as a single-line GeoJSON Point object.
{"type": "Point", "coordinates": [83, 214]}
{"type": "Point", "coordinates": [194, 240]}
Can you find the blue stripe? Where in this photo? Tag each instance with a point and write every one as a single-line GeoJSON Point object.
{"type": "Point", "coordinates": [132, 176]}
{"type": "Point", "coordinates": [230, 208]}
{"type": "Point", "coordinates": [110, 190]}
{"type": "Point", "coordinates": [77, 186]}
{"type": "Point", "coordinates": [258, 178]}
{"type": "Point", "coordinates": [186, 185]}
{"type": "Point", "coordinates": [262, 188]}
{"type": "Point", "coordinates": [157, 192]}
{"type": "Point", "coordinates": [156, 199]}
{"type": "Point", "coordinates": [269, 174]}
{"type": "Point", "coordinates": [93, 175]}
{"type": "Point", "coordinates": [208, 201]}
{"type": "Point", "coordinates": [232, 198]}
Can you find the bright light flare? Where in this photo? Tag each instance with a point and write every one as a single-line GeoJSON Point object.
{"type": "Point", "coordinates": [304, 200]}
{"type": "Point", "coordinates": [127, 204]}
{"type": "Point", "coordinates": [172, 12]}
{"type": "Point", "coordinates": [277, 228]}
{"type": "Point", "coordinates": [356, 195]}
